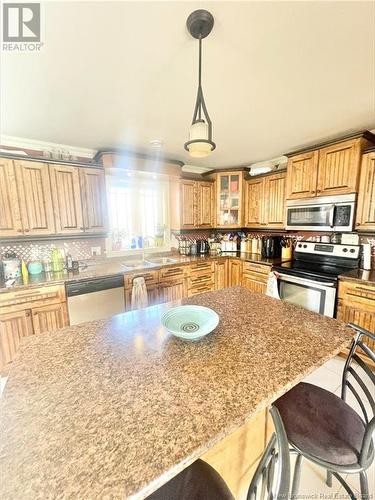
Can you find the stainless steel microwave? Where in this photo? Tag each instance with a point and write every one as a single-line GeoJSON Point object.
{"type": "Point", "coordinates": [324, 213]}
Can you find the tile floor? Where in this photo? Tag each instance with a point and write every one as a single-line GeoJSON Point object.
{"type": "Point", "coordinates": [312, 484]}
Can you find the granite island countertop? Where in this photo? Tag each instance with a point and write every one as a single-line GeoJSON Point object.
{"type": "Point", "coordinates": [112, 266]}
{"type": "Point", "coordinates": [115, 408]}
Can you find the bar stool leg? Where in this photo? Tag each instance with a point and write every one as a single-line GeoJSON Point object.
{"type": "Point", "coordinates": [329, 479]}
{"type": "Point", "coordinates": [296, 476]}
{"type": "Point", "coordinates": [364, 485]}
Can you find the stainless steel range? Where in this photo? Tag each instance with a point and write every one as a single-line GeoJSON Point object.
{"type": "Point", "coordinates": [310, 280]}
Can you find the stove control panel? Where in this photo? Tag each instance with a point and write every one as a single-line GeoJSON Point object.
{"type": "Point", "coordinates": [331, 249]}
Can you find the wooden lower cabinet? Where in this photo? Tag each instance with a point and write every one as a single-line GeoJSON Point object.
{"type": "Point", "coordinates": [13, 327]}
{"type": "Point", "coordinates": [252, 284]}
{"type": "Point", "coordinates": [173, 290]}
{"type": "Point", "coordinates": [356, 304]}
{"type": "Point", "coordinates": [200, 277]}
{"type": "Point", "coordinates": [50, 317]}
{"type": "Point", "coordinates": [255, 276]}
{"type": "Point", "coordinates": [236, 456]}
{"type": "Point", "coordinates": [221, 274]}
{"type": "Point", "coordinates": [204, 287]}
{"type": "Point", "coordinates": [234, 272]}
{"type": "Point", "coordinates": [27, 312]}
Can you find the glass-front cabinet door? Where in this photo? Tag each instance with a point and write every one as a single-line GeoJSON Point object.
{"type": "Point", "coordinates": [229, 199]}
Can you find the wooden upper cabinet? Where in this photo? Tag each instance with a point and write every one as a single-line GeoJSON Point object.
{"type": "Point", "coordinates": [254, 191]}
{"type": "Point", "coordinates": [66, 197]}
{"type": "Point", "coordinates": [229, 203]}
{"type": "Point", "coordinates": [197, 204]}
{"type": "Point", "coordinates": [302, 175]}
{"type": "Point", "coordinates": [366, 194]}
{"type": "Point", "coordinates": [265, 201]}
{"type": "Point", "coordinates": [274, 201]}
{"type": "Point", "coordinates": [10, 218]}
{"type": "Point", "coordinates": [92, 183]}
{"type": "Point", "coordinates": [339, 166]}
{"type": "Point", "coordinates": [205, 204]}
{"type": "Point", "coordinates": [34, 190]}
{"type": "Point", "coordinates": [188, 204]}
{"type": "Point", "coordinates": [331, 170]}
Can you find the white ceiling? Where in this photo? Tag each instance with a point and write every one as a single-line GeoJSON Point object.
{"type": "Point", "coordinates": [276, 75]}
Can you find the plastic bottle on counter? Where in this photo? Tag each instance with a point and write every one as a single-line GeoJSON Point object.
{"type": "Point", "coordinates": [24, 272]}
{"type": "Point", "coordinates": [243, 245]}
{"type": "Point", "coordinates": [57, 261]}
{"type": "Point", "coordinates": [69, 262]}
{"type": "Point", "coordinates": [193, 248]}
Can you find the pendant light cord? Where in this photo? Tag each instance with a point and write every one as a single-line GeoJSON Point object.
{"type": "Point", "coordinates": [200, 75]}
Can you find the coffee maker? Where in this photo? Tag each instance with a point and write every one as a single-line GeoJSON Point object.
{"type": "Point", "coordinates": [202, 247]}
{"type": "Point", "coordinates": [271, 246]}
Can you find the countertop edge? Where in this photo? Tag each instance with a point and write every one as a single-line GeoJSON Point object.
{"type": "Point", "coordinates": [101, 274]}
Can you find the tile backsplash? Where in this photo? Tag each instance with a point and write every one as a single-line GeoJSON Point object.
{"type": "Point", "coordinates": [80, 249]}
{"type": "Point", "coordinates": [206, 233]}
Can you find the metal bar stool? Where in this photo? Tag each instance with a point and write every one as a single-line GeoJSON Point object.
{"type": "Point", "coordinates": [324, 429]}
{"type": "Point", "coordinates": [200, 481]}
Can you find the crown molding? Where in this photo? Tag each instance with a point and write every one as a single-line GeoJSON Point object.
{"type": "Point", "coordinates": [24, 143]}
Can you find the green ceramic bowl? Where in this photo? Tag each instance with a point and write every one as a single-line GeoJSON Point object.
{"type": "Point", "coordinates": [190, 322]}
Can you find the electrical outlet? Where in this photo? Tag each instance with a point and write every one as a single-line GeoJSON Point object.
{"type": "Point", "coordinates": [96, 251]}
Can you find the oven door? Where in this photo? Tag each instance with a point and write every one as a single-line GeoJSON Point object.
{"type": "Point", "coordinates": [313, 295]}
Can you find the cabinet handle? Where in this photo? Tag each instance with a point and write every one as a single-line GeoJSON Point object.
{"type": "Point", "coordinates": [19, 230]}
{"type": "Point", "coordinates": [26, 230]}
{"type": "Point", "coordinates": [365, 290]}
{"type": "Point", "coordinates": [82, 228]}
{"type": "Point", "coordinates": [27, 314]}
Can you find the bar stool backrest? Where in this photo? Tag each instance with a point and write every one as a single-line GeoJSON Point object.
{"type": "Point", "coordinates": [271, 479]}
{"type": "Point", "coordinates": [355, 371]}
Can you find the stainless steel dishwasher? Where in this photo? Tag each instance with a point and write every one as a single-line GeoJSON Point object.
{"type": "Point", "coordinates": [96, 298]}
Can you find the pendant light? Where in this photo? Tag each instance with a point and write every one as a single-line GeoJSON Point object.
{"type": "Point", "coordinates": [200, 144]}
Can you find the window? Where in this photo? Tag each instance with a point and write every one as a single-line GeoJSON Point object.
{"type": "Point", "coordinates": [138, 206]}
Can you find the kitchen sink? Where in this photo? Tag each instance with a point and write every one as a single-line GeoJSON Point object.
{"type": "Point", "coordinates": [137, 264]}
{"type": "Point", "coordinates": [162, 260]}
{"type": "Point", "coordinates": [143, 263]}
